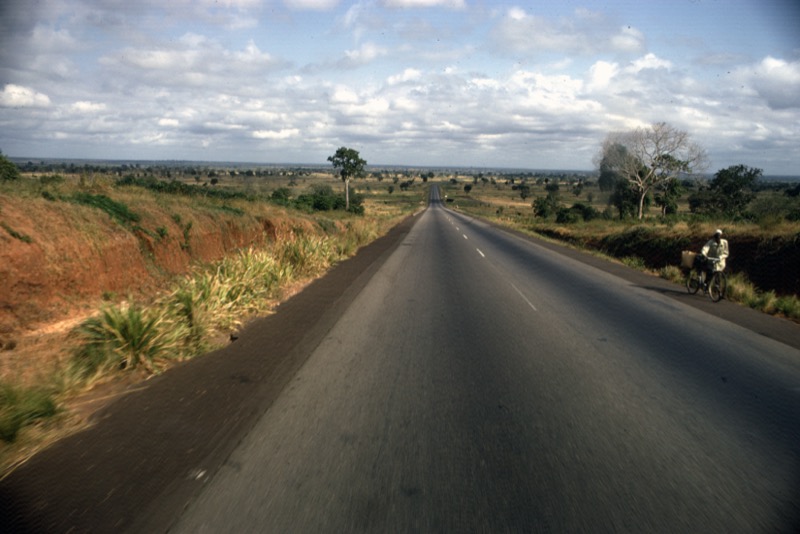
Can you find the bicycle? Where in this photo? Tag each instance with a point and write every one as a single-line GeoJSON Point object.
{"type": "Point", "coordinates": [715, 288]}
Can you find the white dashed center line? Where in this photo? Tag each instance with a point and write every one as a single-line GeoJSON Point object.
{"type": "Point", "coordinates": [524, 297]}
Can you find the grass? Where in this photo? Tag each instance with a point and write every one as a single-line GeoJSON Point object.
{"type": "Point", "coordinates": [124, 337]}
{"type": "Point", "coordinates": [629, 241]}
{"type": "Point", "coordinates": [117, 210]}
{"type": "Point", "coordinates": [23, 406]}
{"type": "Point", "coordinates": [183, 323]}
{"type": "Point", "coordinates": [148, 332]}
{"type": "Point", "coordinates": [16, 235]}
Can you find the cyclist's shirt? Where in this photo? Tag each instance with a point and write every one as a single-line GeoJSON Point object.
{"type": "Point", "coordinates": [712, 249]}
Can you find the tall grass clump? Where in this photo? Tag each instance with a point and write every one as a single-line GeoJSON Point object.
{"type": "Point", "coordinates": [358, 234]}
{"type": "Point", "coordinates": [211, 299]}
{"type": "Point", "coordinates": [672, 273]}
{"type": "Point", "coordinates": [307, 255]}
{"type": "Point", "coordinates": [22, 406]}
{"type": "Point", "coordinates": [124, 337]}
{"type": "Point", "coordinates": [740, 289]}
{"type": "Point", "coordinates": [218, 297]}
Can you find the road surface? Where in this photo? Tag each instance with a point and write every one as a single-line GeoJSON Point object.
{"type": "Point", "coordinates": [480, 382]}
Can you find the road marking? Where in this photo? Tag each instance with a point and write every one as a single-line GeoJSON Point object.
{"type": "Point", "coordinates": [465, 236]}
{"type": "Point", "coordinates": [524, 298]}
{"type": "Point", "coordinates": [481, 253]}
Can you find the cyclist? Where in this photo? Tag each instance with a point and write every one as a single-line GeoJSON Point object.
{"type": "Point", "coordinates": [716, 248]}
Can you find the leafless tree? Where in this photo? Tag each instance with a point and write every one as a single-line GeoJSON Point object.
{"type": "Point", "coordinates": [651, 156]}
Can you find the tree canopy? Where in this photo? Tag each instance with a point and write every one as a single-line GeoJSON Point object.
{"type": "Point", "coordinates": [728, 193]}
{"type": "Point", "coordinates": [649, 157]}
{"type": "Point", "coordinates": [349, 164]}
{"type": "Point", "coordinates": [8, 170]}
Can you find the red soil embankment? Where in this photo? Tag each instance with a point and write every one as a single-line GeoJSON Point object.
{"type": "Point", "coordinates": [55, 257]}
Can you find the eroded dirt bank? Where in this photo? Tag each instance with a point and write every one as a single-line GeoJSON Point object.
{"type": "Point", "coordinates": [59, 260]}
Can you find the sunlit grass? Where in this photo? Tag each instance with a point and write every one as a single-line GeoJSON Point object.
{"type": "Point", "coordinates": [125, 337]}
{"type": "Point", "coordinates": [193, 313]}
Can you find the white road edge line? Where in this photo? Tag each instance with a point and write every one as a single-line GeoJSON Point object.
{"type": "Point", "coordinates": [524, 297]}
{"type": "Point", "coordinates": [481, 253]}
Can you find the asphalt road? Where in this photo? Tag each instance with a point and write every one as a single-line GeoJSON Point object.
{"type": "Point", "coordinates": [480, 382]}
{"type": "Point", "coordinates": [450, 377]}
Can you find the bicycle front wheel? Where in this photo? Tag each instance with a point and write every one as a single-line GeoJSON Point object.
{"type": "Point", "coordinates": [692, 282]}
{"type": "Point", "coordinates": [718, 286]}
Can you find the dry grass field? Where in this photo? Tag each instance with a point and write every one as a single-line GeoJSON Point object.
{"type": "Point", "coordinates": [104, 285]}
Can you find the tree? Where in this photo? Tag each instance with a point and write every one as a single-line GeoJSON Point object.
{"type": "Point", "coordinates": [667, 196]}
{"type": "Point", "coordinates": [608, 178]}
{"type": "Point", "coordinates": [350, 165]}
{"type": "Point", "coordinates": [648, 157]}
{"type": "Point", "coordinates": [624, 198]}
{"type": "Point", "coordinates": [729, 192]}
{"type": "Point", "coordinates": [8, 170]}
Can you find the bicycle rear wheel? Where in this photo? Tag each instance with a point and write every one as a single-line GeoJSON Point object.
{"type": "Point", "coordinates": [718, 286]}
{"type": "Point", "coordinates": [692, 282]}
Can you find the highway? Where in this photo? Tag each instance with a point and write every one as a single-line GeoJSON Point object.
{"type": "Point", "coordinates": [480, 382]}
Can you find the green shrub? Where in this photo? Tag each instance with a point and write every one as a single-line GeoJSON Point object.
{"type": "Point", "coordinates": [179, 188]}
{"type": "Point", "coordinates": [281, 196]}
{"type": "Point", "coordinates": [52, 179]}
{"type": "Point", "coordinates": [20, 407]}
{"type": "Point", "coordinates": [8, 170]}
{"type": "Point", "coordinates": [123, 337]}
{"type": "Point", "coordinates": [117, 210]}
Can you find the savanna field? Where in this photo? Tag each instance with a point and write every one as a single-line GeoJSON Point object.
{"type": "Point", "coordinates": [113, 274]}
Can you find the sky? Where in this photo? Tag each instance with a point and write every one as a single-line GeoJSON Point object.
{"type": "Point", "coordinates": [472, 83]}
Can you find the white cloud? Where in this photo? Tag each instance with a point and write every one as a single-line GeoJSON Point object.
{"type": "Point", "coordinates": [601, 74]}
{"type": "Point", "coordinates": [365, 54]}
{"type": "Point", "coordinates": [193, 60]}
{"type": "Point", "coordinates": [344, 95]}
{"type": "Point", "coordinates": [777, 81]}
{"type": "Point", "coordinates": [649, 61]}
{"type": "Point", "coordinates": [17, 96]}
{"type": "Point", "coordinates": [84, 106]}
{"type": "Point", "coordinates": [276, 134]}
{"type": "Point", "coordinates": [403, 4]}
{"type": "Point", "coordinates": [315, 5]}
{"type": "Point", "coordinates": [584, 33]}
{"type": "Point", "coordinates": [533, 85]}
{"type": "Point", "coordinates": [407, 75]}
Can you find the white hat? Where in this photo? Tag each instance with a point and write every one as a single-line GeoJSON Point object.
{"type": "Point", "coordinates": [718, 231]}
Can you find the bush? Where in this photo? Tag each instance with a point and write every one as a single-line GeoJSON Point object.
{"type": "Point", "coordinates": [8, 170]}
{"type": "Point", "coordinates": [578, 212]}
{"type": "Point", "coordinates": [20, 407]}
{"type": "Point", "coordinates": [52, 179]}
{"type": "Point", "coordinates": [123, 337]}
{"type": "Point", "coordinates": [281, 196]}
{"type": "Point", "coordinates": [567, 216]}
{"type": "Point", "coordinates": [179, 188]}
{"type": "Point", "coordinates": [546, 206]}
